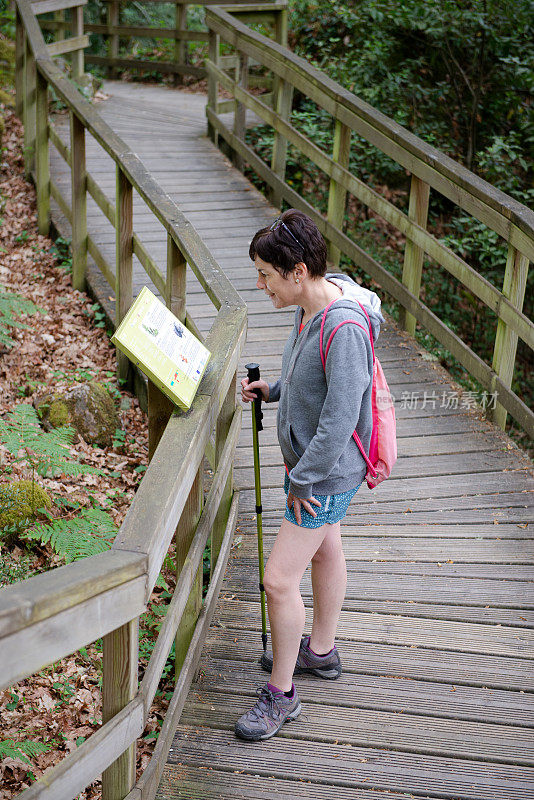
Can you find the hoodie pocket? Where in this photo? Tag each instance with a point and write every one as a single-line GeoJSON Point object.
{"type": "Point", "coordinates": [293, 443]}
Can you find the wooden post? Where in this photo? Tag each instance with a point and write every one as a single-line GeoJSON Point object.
{"type": "Point", "coordinates": [79, 202]}
{"type": "Point", "coordinates": [42, 161]}
{"type": "Point", "coordinates": [59, 16]}
{"type": "Point", "coordinates": [180, 48]}
{"type": "Point", "coordinates": [241, 111]}
{"type": "Point", "coordinates": [413, 255]}
{"type": "Point", "coordinates": [224, 421]}
{"type": "Point", "coordinates": [113, 38]}
{"type": "Point", "coordinates": [184, 534]}
{"type": "Point", "coordinates": [213, 83]}
{"type": "Point", "coordinates": [175, 285]}
{"type": "Point", "coordinates": [77, 30]}
{"type": "Point", "coordinates": [337, 195]}
{"type": "Point", "coordinates": [119, 686]}
{"type": "Point", "coordinates": [160, 409]}
{"type": "Point", "coordinates": [514, 285]}
{"type": "Point", "coordinates": [30, 75]}
{"type": "Point", "coordinates": [123, 265]}
{"type": "Point", "coordinates": [20, 47]}
{"type": "Point", "coordinates": [281, 27]}
{"type": "Point", "coordinates": [282, 103]}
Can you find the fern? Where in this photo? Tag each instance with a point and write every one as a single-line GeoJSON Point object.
{"type": "Point", "coordinates": [11, 749]}
{"type": "Point", "coordinates": [12, 306]}
{"type": "Point", "coordinates": [90, 533]}
{"type": "Point", "coordinates": [47, 452]}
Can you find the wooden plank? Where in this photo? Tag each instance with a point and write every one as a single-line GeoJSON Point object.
{"type": "Point", "coordinates": [151, 520]}
{"type": "Point", "coordinates": [41, 156]}
{"type": "Point", "coordinates": [123, 257]}
{"type": "Point", "coordinates": [411, 631]}
{"type": "Point", "coordinates": [397, 587]}
{"type": "Point", "coordinates": [150, 32]}
{"type": "Point", "coordinates": [20, 48]}
{"type": "Point", "coordinates": [514, 286]}
{"type": "Point", "coordinates": [68, 778]}
{"type": "Point", "coordinates": [337, 194]}
{"type": "Point", "coordinates": [45, 6]}
{"type": "Point", "coordinates": [119, 688]}
{"type": "Point", "coordinates": [413, 255]}
{"type": "Point", "coordinates": [27, 650]}
{"type": "Point", "coordinates": [379, 693]}
{"type": "Point", "coordinates": [79, 202]}
{"type": "Point", "coordinates": [68, 45]}
{"type": "Point", "coordinates": [354, 766]}
{"type": "Point", "coordinates": [393, 661]}
{"type": "Point", "coordinates": [151, 775]}
{"type": "Point", "coordinates": [35, 599]}
{"type": "Point", "coordinates": [401, 732]}
{"type": "Point", "coordinates": [187, 571]}
{"type": "Point", "coordinates": [185, 780]}
{"type": "Point", "coordinates": [168, 67]}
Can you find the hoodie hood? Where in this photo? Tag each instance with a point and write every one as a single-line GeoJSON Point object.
{"type": "Point", "coordinates": [355, 293]}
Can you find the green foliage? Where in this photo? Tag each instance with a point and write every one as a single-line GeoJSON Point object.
{"type": "Point", "coordinates": [47, 453]}
{"type": "Point", "coordinates": [458, 74]}
{"type": "Point", "coordinates": [14, 569]}
{"type": "Point", "coordinates": [62, 250]}
{"type": "Point", "coordinates": [20, 503]}
{"type": "Point", "coordinates": [88, 534]}
{"type": "Point", "coordinates": [22, 750]}
{"type": "Point", "coordinates": [11, 307]}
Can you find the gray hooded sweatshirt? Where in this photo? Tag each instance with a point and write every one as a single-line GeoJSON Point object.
{"type": "Point", "coordinates": [319, 411]}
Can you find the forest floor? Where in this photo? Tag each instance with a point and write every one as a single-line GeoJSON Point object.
{"type": "Point", "coordinates": [51, 713]}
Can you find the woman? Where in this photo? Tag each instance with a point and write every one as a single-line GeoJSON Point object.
{"type": "Point", "coordinates": [319, 409]}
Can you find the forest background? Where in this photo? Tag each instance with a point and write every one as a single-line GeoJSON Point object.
{"type": "Point", "coordinates": [458, 73]}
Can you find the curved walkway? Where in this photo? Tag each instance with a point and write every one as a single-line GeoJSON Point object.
{"type": "Point", "coordinates": [435, 635]}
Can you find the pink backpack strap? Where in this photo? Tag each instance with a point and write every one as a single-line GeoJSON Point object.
{"type": "Point", "coordinates": [325, 355]}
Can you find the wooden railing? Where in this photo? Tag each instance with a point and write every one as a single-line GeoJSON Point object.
{"type": "Point", "coordinates": [429, 169]}
{"type": "Point", "coordinates": [49, 616]}
{"type": "Point", "coordinates": [273, 15]}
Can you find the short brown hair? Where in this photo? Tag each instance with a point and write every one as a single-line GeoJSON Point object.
{"type": "Point", "coordinates": [285, 245]}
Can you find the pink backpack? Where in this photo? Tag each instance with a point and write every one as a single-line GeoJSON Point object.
{"type": "Point", "coordinates": [383, 446]}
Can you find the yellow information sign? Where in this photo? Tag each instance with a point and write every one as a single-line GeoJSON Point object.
{"type": "Point", "coordinates": [162, 347]}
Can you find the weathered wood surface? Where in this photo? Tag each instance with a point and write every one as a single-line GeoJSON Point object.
{"type": "Point", "coordinates": [436, 695]}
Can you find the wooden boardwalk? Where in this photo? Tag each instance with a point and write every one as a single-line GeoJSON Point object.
{"type": "Point", "coordinates": [435, 635]}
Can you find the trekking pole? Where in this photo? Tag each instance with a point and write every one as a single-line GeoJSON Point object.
{"type": "Point", "coordinates": [253, 371]}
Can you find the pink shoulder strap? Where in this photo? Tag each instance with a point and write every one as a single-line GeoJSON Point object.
{"type": "Point", "coordinates": [369, 332]}
{"type": "Point", "coordinates": [324, 357]}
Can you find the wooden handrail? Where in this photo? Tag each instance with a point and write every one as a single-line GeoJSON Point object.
{"type": "Point", "coordinates": [47, 617]}
{"type": "Point", "coordinates": [429, 164]}
{"type": "Point", "coordinates": [429, 169]}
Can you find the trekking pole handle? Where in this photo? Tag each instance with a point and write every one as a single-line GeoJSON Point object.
{"type": "Point", "coordinates": [253, 374]}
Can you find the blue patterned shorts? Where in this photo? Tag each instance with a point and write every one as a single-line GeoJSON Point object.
{"type": "Point", "coordinates": [333, 508]}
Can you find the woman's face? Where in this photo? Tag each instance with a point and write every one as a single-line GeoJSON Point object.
{"type": "Point", "coordinates": [282, 291]}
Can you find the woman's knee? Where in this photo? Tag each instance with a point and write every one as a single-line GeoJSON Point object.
{"type": "Point", "coordinates": [277, 584]}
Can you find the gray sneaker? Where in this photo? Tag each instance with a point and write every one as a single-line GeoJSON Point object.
{"type": "Point", "coordinates": [267, 715]}
{"type": "Point", "coordinates": [328, 666]}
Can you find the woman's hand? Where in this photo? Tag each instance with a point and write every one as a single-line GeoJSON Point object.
{"type": "Point", "coordinates": [297, 503]}
{"type": "Point", "coordinates": [248, 393]}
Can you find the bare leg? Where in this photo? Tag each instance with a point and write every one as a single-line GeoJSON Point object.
{"type": "Point", "coordinates": [329, 582]}
{"type": "Point", "coordinates": [292, 551]}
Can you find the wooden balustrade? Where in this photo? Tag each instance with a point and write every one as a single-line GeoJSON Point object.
{"type": "Point", "coordinates": [52, 615]}
{"type": "Point", "coordinates": [429, 169]}
{"type": "Point", "coordinates": [273, 15]}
